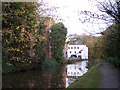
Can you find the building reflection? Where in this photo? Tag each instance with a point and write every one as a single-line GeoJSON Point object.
{"type": "Point", "coordinates": [73, 71]}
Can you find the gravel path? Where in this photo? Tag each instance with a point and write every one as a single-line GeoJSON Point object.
{"type": "Point", "coordinates": [109, 76]}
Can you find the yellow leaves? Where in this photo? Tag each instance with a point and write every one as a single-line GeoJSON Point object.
{"type": "Point", "coordinates": [7, 41]}
{"type": "Point", "coordinates": [14, 49]}
{"type": "Point", "coordinates": [30, 62]}
{"type": "Point", "coordinates": [42, 38]}
{"type": "Point", "coordinates": [26, 45]}
{"type": "Point", "coordinates": [17, 27]}
{"type": "Point", "coordinates": [15, 37]}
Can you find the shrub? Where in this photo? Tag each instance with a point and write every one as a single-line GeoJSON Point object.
{"type": "Point", "coordinates": [49, 63]}
{"type": "Point", "coordinates": [115, 61]}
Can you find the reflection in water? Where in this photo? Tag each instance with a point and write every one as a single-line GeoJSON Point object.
{"type": "Point", "coordinates": [48, 78]}
{"type": "Point", "coordinates": [59, 77]}
{"type": "Point", "coordinates": [73, 71]}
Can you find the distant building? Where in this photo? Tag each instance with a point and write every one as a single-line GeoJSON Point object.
{"type": "Point", "coordinates": [78, 51]}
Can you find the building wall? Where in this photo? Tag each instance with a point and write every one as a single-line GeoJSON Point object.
{"type": "Point", "coordinates": [78, 50]}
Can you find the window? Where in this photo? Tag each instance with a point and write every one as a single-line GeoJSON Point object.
{"type": "Point", "coordinates": [80, 69]}
{"type": "Point", "coordinates": [74, 47]}
{"type": "Point", "coordinates": [71, 47]}
{"type": "Point", "coordinates": [70, 52]}
{"type": "Point", "coordinates": [77, 47]}
{"type": "Point", "coordinates": [74, 72]}
{"type": "Point", "coordinates": [75, 51]}
{"type": "Point", "coordinates": [68, 47]}
{"type": "Point", "coordinates": [79, 51]}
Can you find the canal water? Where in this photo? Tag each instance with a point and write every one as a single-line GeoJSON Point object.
{"type": "Point", "coordinates": [59, 77]}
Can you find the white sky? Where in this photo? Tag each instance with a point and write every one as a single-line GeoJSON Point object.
{"type": "Point", "coordinates": [68, 12]}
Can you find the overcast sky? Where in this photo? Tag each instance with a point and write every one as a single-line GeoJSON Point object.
{"type": "Point", "coordinates": [68, 13]}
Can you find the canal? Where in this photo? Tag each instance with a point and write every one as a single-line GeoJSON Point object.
{"type": "Point", "coordinates": [59, 77]}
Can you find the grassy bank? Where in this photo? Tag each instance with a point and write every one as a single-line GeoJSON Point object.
{"type": "Point", "coordinates": [89, 80]}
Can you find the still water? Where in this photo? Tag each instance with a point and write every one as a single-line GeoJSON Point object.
{"type": "Point", "coordinates": [60, 77]}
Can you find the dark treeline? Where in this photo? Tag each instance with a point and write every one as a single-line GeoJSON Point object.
{"type": "Point", "coordinates": [111, 36]}
{"type": "Point", "coordinates": [111, 45]}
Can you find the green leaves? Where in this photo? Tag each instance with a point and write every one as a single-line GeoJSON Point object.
{"type": "Point", "coordinates": [20, 31]}
{"type": "Point", "coordinates": [111, 45]}
{"type": "Point", "coordinates": [57, 39]}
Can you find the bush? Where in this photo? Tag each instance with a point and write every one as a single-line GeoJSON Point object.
{"type": "Point", "coordinates": [8, 67]}
{"type": "Point", "coordinates": [115, 61]}
{"type": "Point", "coordinates": [49, 63]}
{"type": "Point", "coordinates": [93, 62]}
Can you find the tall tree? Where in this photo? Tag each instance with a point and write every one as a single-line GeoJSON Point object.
{"type": "Point", "coordinates": [57, 40]}
{"type": "Point", "coordinates": [74, 39]}
{"type": "Point", "coordinates": [108, 11]}
{"type": "Point", "coordinates": [22, 32]}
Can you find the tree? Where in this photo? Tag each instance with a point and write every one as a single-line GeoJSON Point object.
{"type": "Point", "coordinates": [57, 39]}
{"type": "Point", "coordinates": [112, 8]}
{"type": "Point", "coordinates": [108, 11]}
{"type": "Point", "coordinates": [110, 14]}
{"type": "Point", "coordinates": [74, 39]}
{"type": "Point", "coordinates": [23, 33]}
{"type": "Point", "coordinates": [111, 45]}
{"type": "Point", "coordinates": [18, 25]}
{"type": "Point", "coordinates": [111, 41]}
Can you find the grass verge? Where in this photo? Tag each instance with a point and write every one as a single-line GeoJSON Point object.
{"type": "Point", "coordinates": [90, 80]}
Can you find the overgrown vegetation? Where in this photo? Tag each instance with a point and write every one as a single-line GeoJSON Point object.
{"type": "Point", "coordinates": [25, 36]}
{"type": "Point", "coordinates": [115, 61]}
{"type": "Point", "coordinates": [108, 44]}
{"type": "Point", "coordinates": [49, 63]}
{"type": "Point", "coordinates": [19, 34]}
{"type": "Point", "coordinates": [111, 44]}
{"type": "Point", "coordinates": [57, 39]}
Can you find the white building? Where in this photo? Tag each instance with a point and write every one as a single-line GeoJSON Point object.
{"type": "Point", "coordinates": [77, 51]}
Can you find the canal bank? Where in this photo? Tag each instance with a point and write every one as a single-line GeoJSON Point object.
{"type": "Point", "coordinates": [19, 67]}
{"type": "Point", "coordinates": [101, 74]}
{"type": "Point", "coordinates": [91, 79]}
